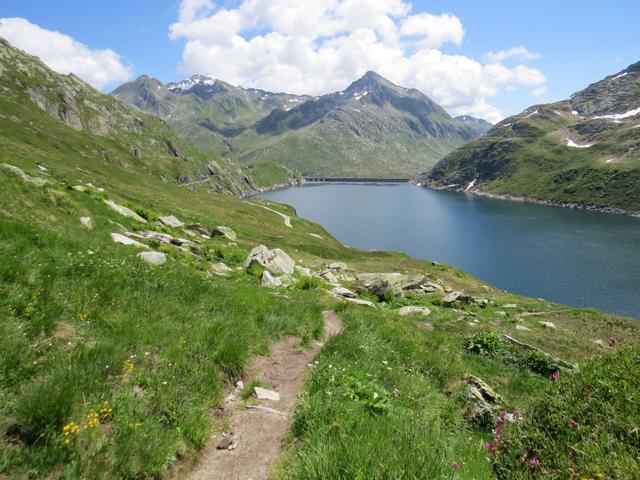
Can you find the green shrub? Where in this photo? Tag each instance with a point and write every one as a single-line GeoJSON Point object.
{"type": "Point", "coordinates": [485, 343]}
{"type": "Point", "coordinates": [308, 283]}
{"type": "Point", "coordinates": [585, 425]}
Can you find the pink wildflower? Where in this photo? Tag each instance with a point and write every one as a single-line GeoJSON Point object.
{"type": "Point", "coordinates": [613, 341]}
{"type": "Point", "coordinates": [455, 466]}
{"type": "Point", "coordinates": [534, 462]}
{"type": "Point", "coordinates": [555, 376]}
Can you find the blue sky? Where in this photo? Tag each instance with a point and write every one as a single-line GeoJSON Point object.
{"type": "Point", "coordinates": [578, 42]}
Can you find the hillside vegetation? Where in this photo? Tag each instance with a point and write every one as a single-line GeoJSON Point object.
{"type": "Point", "coordinates": [114, 367]}
{"type": "Point", "coordinates": [584, 151]}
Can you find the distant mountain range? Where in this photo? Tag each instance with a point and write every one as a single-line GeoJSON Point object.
{"type": "Point", "coordinates": [584, 150]}
{"type": "Point", "coordinates": [373, 128]}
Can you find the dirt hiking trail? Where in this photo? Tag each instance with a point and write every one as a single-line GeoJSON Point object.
{"type": "Point", "coordinates": [254, 438]}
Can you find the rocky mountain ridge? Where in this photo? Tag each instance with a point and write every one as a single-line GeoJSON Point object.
{"type": "Point", "coordinates": [372, 128]}
{"type": "Point", "coordinates": [583, 151]}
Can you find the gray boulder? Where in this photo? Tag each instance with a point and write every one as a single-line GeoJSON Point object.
{"type": "Point", "coordinates": [483, 399]}
{"type": "Point", "coordinates": [303, 271]}
{"type": "Point", "coordinates": [410, 310]}
{"type": "Point", "coordinates": [462, 298]}
{"type": "Point", "coordinates": [276, 261]}
{"type": "Point", "coordinates": [124, 240]}
{"type": "Point", "coordinates": [226, 232]}
{"type": "Point", "coordinates": [196, 227]}
{"type": "Point", "coordinates": [38, 182]}
{"type": "Point", "coordinates": [220, 269]}
{"type": "Point", "coordinates": [153, 258]}
{"type": "Point", "coordinates": [338, 266]}
{"type": "Point", "coordinates": [86, 222]}
{"type": "Point", "coordinates": [171, 221]}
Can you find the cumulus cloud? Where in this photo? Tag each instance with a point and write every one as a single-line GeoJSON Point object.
{"type": "Point", "coordinates": [65, 55]}
{"type": "Point", "coordinates": [321, 46]}
{"type": "Point", "coordinates": [515, 52]}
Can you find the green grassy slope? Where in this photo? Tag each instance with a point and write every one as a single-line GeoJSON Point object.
{"type": "Point", "coordinates": [109, 368]}
{"type": "Point", "coordinates": [574, 151]}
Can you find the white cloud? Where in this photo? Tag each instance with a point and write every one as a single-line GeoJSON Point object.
{"type": "Point", "coordinates": [65, 55]}
{"type": "Point", "coordinates": [321, 46]}
{"type": "Point", "coordinates": [515, 52]}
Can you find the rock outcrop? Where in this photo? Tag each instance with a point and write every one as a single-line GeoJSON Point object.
{"type": "Point", "coordinates": [275, 261]}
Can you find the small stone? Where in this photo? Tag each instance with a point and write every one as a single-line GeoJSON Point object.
{"type": "Point", "coordinates": [153, 258]}
{"type": "Point", "coordinates": [264, 394]}
{"type": "Point", "coordinates": [510, 305]}
{"type": "Point", "coordinates": [240, 385]}
{"type": "Point", "coordinates": [171, 221]}
{"type": "Point", "coordinates": [600, 343]}
{"type": "Point", "coordinates": [225, 443]}
{"type": "Point", "coordinates": [196, 227]}
{"type": "Point", "coordinates": [522, 328]}
{"type": "Point", "coordinates": [425, 326]}
{"type": "Point", "coordinates": [138, 391]}
{"type": "Point", "coordinates": [86, 222]}
{"type": "Point", "coordinates": [550, 325]}
{"type": "Point", "coordinates": [79, 188]}
{"type": "Point", "coordinates": [329, 277]}
{"type": "Point", "coordinates": [359, 301]}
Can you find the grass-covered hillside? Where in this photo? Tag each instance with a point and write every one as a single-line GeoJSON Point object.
{"type": "Point", "coordinates": [585, 150]}
{"type": "Point", "coordinates": [114, 367]}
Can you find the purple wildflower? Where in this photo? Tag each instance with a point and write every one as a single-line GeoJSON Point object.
{"type": "Point", "coordinates": [555, 376]}
{"type": "Point", "coordinates": [534, 462]}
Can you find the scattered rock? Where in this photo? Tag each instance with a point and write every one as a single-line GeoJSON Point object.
{"type": "Point", "coordinates": [600, 343]}
{"type": "Point", "coordinates": [425, 326]}
{"type": "Point", "coordinates": [343, 292]}
{"type": "Point", "coordinates": [485, 401]}
{"type": "Point", "coordinates": [42, 168]}
{"type": "Point", "coordinates": [86, 222]}
{"type": "Point", "coordinates": [276, 261]}
{"type": "Point", "coordinates": [153, 258]}
{"type": "Point", "coordinates": [462, 298]}
{"type": "Point", "coordinates": [138, 391]}
{"type": "Point", "coordinates": [226, 232]}
{"type": "Point", "coordinates": [220, 269]}
{"type": "Point", "coordinates": [287, 279]}
{"type": "Point", "coordinates": [510, 305]}
{"type": "Point", "coordinates": [264, 394]}
{"type": "Point", "coordinates": [414, 309]}
{"type": "Point", "coordinates": [359, 301]}
{"type": "Point", "coordinates": [303, 271]}
{"type": "Point", "coordinates": [226, 443]}
{"type": "Point", "coordinates": [171, 221]}
{"type": "Point", "coordinates": [550, 325]}
{"type": "Point", "coordinates": [38, 182]}
{"type": "Point", "coordinates": [124, 240]}
{"type": "Point", "coordinates": [315, 235]}
{"type": "Point", "coordinates": [196, 227]}
{"type": "Point", "coordinates": [523, 328]}
{"type": "Point", "coordinates": [240, 385]}
{"type": "Point", "coordinates": [79, 188]}
{"type": "Point", "coordinates": [329, 276]}
{"type": "Point", "coordinates": [124, 211]}
{"type": "Point", "coordinates": [338, 266]}
{"type": "Point", "coordinates": [268, 281]}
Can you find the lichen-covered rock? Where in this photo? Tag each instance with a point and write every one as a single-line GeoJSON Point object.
{"type": "Point", "coordinates": [124, 240]}
{"type": "Point", "coordinates": [484, 400]}
{"type": "Point", "coordinates": [220, 269]}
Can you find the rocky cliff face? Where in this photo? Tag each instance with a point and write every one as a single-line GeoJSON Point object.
{"type": "Point", "coordinates": [584, 150]}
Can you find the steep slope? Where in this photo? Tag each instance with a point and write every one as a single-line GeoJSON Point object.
{"type": "Point", "coordinates": [373, 128]}
{"type": "Point", "coordinates": [42, 108]}
{"type": "Point", "coordinates": [585, 150]}
{"type": "Point", "coordinates": [203, 110]}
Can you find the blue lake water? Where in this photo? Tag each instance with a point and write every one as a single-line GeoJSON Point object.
{"type": "Point", "coordinates": [579, 258]}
